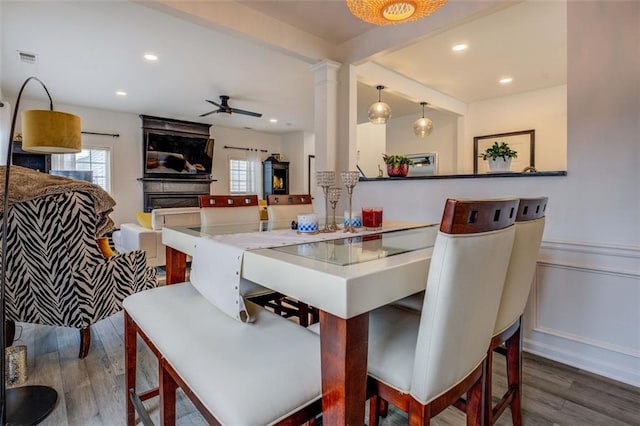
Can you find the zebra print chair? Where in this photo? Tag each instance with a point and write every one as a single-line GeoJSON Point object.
{"type": "Point", "coordinates": [57, 274]}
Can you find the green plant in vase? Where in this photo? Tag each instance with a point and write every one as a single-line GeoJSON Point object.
{"type": "Point", "coordinates": [397, 165]}
{"type": "Point", "coordinates": [499, 156]}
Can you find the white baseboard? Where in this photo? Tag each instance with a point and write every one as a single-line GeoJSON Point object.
{"type": "Point", "coordinates": [615, 366]}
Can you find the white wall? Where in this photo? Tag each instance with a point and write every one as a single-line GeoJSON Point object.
{"type": "Point", "coordinates": [584, 305]}
{"type": "Point", "coordinates": [293, 149]}
{"type": "Point", "coordinates": [371, 144]}
{"type": "Point", "coordinates": [238, 138]}
{"type": "Point", "coordinates": [544, 110]}
{"type": "Point", "coordinates": [402, 140]}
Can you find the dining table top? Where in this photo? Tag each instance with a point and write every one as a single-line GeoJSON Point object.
{"type": "Point", "coordinates": [345, 274]}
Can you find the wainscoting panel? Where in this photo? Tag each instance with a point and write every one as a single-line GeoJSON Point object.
{"type": "Point", "coordinates": [584, 308]}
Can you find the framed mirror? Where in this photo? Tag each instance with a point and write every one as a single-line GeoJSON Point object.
{"type": "Point", "coordinates": [523, 142]}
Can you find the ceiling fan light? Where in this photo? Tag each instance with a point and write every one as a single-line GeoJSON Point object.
{"type": "Point", "coordinates": [385, 12]}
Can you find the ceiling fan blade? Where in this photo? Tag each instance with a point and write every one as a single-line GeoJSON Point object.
{"type": "Point", "coordinates": [209, 113]}
{"type": "Point", "coordinates": [214, 103]}
{"type": "Point", "coordinates": [242, 111]}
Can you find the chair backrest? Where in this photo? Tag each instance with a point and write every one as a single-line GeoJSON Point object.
{"type": "Point", "coordinates": [288, 199]}
{"type": "Point", "coordinates": [175, 216]}
{"type": "Point", "coordinates": [226, 209]}
{"type": "Point", "coordinates": [529, 228]}
{"type": "Point", "coordinates": [466, 275]}
{"type": "Point", "coordinates": [288, 207]}
{"type": "Point", "coordinates": [56, 273]}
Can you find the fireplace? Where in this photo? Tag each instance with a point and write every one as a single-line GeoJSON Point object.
{"type": "Point", "coordinates": [165, 193]}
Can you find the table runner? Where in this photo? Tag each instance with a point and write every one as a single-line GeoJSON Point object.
{"type": "Point", "coordinates": [216, 268]}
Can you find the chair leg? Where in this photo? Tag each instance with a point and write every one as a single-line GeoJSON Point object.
{"type": "Point", "coordinates": [315, 314]}
{"type": "Point", "coordinates": [85, 342]}
{"type": "Point", "coordinates": [514, 374]}
{"type": "Point", "coordinates": [487, 397]}
{"type": "Point", "coordinates": [278, 306]}
{"type": "Point", "coordinates": [374, 412]}
{"type": "Point", "coordinates": [9, 332]}
{"type": "Point", "coordinates": [475, 401]}
{"type": "Point", "coordinates": [168, 388]}
{"type": "Point", "coordinates": [419, 415]}
{"type": "Point", "coordinates": [383, 406]}
{"type": "Point", "coordinates": [303, 314]}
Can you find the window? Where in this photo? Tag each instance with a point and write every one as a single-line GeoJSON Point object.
{"type": "Point", "coordinates": [96, 160]}
{"type": "Point", "coordinates": [245, 175]}
{"type": "Point", "coordinates": [238, 176]}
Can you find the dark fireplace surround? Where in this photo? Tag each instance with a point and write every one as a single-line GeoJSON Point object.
{"type": "Point", "coordinates": [164, 187]}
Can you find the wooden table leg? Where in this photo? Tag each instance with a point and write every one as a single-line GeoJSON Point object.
{"type": "Point", "coordinates": [344, 344]}
{"type": "Point", "coordinates": [130, 364]}
{"type": "Point", "coordinates": [176, 267]}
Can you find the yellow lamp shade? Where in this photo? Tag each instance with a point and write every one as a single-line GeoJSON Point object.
{"type": "Point", "coordinates": [51, 132]}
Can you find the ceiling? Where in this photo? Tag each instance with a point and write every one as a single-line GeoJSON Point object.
{"type": "Point", "coordinates": [87, 50]}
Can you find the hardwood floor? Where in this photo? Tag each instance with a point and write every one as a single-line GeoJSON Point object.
{"type": "Point", "coordinates": [91, 391]}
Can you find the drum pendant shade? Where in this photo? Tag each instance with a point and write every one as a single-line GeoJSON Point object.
{"type": "Point", "coordinates": [51, 132]}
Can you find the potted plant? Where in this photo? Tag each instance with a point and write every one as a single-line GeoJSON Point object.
{"type": "Point", "coordinates": [499, 156]}
{"type": "Point", "coordinates": [397, 165]}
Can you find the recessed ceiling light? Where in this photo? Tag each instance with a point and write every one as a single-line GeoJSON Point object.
{"type": "Point", "coordinates": [273, 120]}
{"type": "Point", "coordinates": [506, 80]}
{"type": "Point", "coordinates": [150, 57]}
{"type": "Point", "coordinates": [121, 93]}
{"type": "Point", "coordinates": [459, 47]}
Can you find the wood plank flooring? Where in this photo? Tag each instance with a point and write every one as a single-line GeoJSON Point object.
{"type": "Point", "coordinates": [91, 391]}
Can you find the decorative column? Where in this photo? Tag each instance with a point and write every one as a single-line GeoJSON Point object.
{"type": "Point", "coordinates": [326, 113]}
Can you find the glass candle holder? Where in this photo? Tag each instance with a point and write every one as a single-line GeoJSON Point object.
{"type": "Point", "coordinates": [326, 179]}
{"type": "Point", "coordinates": [350, 180]}
{"type": "Point", "coordinates": [334, 197]}
{"type": "Point", "coordinates": [372, 218]}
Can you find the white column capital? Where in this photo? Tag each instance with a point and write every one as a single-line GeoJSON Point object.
{"type": "Point", "coordinates": [326, 65]}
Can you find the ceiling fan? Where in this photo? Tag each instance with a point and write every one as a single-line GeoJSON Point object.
{"type": "Point", "coordinates": [224, 107]}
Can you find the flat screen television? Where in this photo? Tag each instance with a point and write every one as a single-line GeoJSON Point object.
{"type": "Point", "coordinates": [170, 155]}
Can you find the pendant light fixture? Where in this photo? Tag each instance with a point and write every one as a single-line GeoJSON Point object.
{"type": "Point", "coordinates": [379, 112]}
{"type": "Point", "coordinates": [423, 126]}
{"type": "Point", "coordinates": [386, 12]}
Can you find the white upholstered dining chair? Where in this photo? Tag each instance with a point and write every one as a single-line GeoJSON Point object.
{"type": "Point", "coordinates": [228, 209]}
{"type": "Point", "coordinates": [232, 209]}
{"type": "Point", "coordinates": [422, 362]}
{"type": "Point", "coordinates": [285, 209]}
{"type": "Point", "coordinates": [530, 222]}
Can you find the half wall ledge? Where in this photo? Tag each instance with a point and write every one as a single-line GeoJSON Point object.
{"type": "Point", "coordinates": [468, 176]}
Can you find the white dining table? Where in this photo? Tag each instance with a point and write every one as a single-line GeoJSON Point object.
{"type": "Point", "coordinates": [345, 278]}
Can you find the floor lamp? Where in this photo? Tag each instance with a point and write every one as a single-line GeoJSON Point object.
{"type": "Point", "coordinates": [44, 132]}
